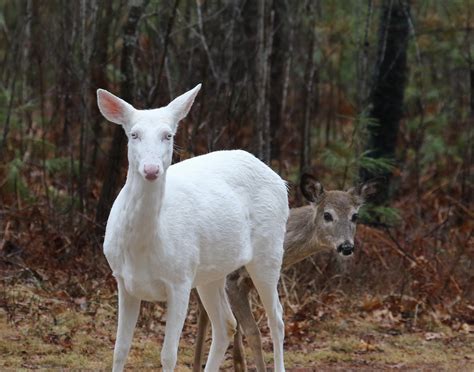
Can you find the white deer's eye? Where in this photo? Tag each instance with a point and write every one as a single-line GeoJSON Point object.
{"type": "Point", "coordinates": [134, 135]}
{"type": "Point", "coordinates": [168, 136]}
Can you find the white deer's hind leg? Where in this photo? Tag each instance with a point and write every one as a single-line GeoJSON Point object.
{"type": "Point", "coordinates": [265, 279]}
{"type": "Point", "coordinates": [177, 305]}
{"type": "Point", "coordinates": [214, 299]}
{"type": "Point", "coordinates": [129, 308]}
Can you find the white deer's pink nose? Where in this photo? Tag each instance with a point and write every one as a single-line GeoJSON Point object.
{"type": "Point", "coordinates": [151, 171]}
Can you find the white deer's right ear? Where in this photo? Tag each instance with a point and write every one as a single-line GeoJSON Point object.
{"type": "Point", "coordinates": [113, 108]}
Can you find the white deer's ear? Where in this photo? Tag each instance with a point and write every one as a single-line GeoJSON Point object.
{"type": "Point", "coordinates": [113, 108]}
{"type": "Point", "coordinates": [181, 105]}
{"type": "Point", "coordinates": [312, 190]}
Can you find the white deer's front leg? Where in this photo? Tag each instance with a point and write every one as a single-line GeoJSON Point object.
{"type": "Point", "coordinates": [129, 308]}
{"type": "Point", "coordinates": [177, 305]}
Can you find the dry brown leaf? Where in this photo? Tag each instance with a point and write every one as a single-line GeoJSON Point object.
{"type": "Point", "coordinates": [429, 336]}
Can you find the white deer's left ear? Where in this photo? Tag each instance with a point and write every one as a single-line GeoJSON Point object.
{"type": "Point", "coordinates": [181, 105]}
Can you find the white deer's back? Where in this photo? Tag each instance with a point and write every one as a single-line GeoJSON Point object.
{"type": "Point", "coordinates": [233, 197]}
{"type": "Point", "coordinates": [236, 172]}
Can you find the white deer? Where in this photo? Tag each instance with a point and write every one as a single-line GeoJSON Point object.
{"type": "Point", "coordinates": [188, 225]}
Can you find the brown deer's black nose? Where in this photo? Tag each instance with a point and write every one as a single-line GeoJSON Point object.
{"type": "Point", "coordinates": [346, 248]}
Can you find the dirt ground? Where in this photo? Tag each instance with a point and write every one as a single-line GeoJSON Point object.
{"type": "Point", "coordinates": [42, 331]}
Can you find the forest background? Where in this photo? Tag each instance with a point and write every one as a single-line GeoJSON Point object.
{"type": "Point", "coordinates": [348, 91]}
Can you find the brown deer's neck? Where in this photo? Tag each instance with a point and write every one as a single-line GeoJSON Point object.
{"type": "Point", "coordinates": [301, 235]}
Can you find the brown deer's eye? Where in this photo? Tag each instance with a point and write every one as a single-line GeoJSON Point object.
{"type": "Point", "coordinates": [327, 217]}
{"type": "Point", "coordinates": [355, 217]}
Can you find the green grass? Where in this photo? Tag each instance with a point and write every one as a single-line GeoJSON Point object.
{"type": "Point", "coordinates": [51, 334]}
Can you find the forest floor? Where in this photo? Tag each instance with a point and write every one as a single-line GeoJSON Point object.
{"type": "Point", "coordinates": [41, 329]}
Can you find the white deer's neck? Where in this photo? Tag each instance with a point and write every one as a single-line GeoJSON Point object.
{"type": "Point", "coordinates": [145, 199]}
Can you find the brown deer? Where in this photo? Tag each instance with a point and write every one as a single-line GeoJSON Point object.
{"type": "Point", "coordinates": [328, 222]}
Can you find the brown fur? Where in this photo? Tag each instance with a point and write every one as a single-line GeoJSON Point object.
{"type": "Point", "coordinates": [307, 233]}
{"type": "Point", "coordinates": [305, 230]}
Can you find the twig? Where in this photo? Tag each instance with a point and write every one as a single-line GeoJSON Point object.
{"type": "Point", "coordinates": [462, 207]}
{"type": "Point", "coordinates": [202, 37]}
{"type": "Point", "coordinates": [155, 89]}
{"type": "Point", "coordinates": [400, 249]}
{"type": "Point", "coordinates": [439, 225]}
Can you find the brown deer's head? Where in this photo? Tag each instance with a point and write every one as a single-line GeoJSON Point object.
{"type": "Point", "coordinates": [335, 213]}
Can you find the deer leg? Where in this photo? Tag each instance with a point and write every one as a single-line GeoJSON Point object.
{"type": "Point", "coordinates": [238, 354]}
{"type": "Point", "coordinates": [177, 305]}
{"type": "Point", "coordinates": [239, 300]}
{"type": "Point", "coordinates": [265, 280]}
{"type": "Point", "coordinates": [129, 308]}
{"type": "Point", "coordinates": [203, 325]}
{"type": "Point", "coordinates": [214, 299]}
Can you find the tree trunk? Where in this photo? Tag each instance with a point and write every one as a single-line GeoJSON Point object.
{"type": "Point", "coordinates": [68, 88]}
{"type": "Point", "coordinates": [466, 178]}
{"type": "Point", "coordinates": [363, 61]}
{"type": "Point", "coordinates": [152, 97]}
{"type": "Point", "coordinates": [310, 71]}
{"type": "Point", "coordinates": [263, 54]}
{"type": "Point", "coordinates": [88, 10]}
{"type": "Point", "coordinates": [278, 59]}
{"type": "Point", "coordinates": [127, 92]}
{"type": "Point", "coordinates": [387, 90]}
{"type": "Point", "coordinates": [98, 69]}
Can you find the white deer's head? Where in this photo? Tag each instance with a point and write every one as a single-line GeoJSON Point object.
{"type": "Point", "coordinates": [150, 132]}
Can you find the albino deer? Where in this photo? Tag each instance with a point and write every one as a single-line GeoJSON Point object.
{"type": "Point", "coordinates": [328, 222]}
{"type": "Point", "coordinates": [173, 228]}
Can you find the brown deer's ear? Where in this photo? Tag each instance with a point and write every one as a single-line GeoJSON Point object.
{"type": "Point", "coordinates": [311, 189]}
{"type": "Point", "coordinates": [364, 190]}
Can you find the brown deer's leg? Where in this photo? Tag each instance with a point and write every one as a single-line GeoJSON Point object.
{"type": "Point", "coordinates": [203, 326]}
{"type": "Point", "coordinates": [240, 365]}
{"type": "Point", "coordinates": [238, 290]}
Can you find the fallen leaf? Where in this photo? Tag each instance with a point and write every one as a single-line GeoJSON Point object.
{"type": "Point", "coordinates": [466, 328]}
{"type": "Point", "coordinates": [433, 336]}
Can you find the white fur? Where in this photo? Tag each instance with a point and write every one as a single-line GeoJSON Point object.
{"type": "Point", "coordinates": [198, 221]}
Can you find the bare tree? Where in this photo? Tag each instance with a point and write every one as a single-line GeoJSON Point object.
{"type": "Point", "coordinates": [278, 71]}
{"type": "Point", "coordinates": [98, 73]}
{"type": "Point", "coordinates": [388, 89]}
{"type": "Point", "coordinates": [88, 10]}
{"type": "Point", "coordinates": [127, 92]}
{"type": "Point", "coordinates": [308, 93]}
{"type": "Point", "coordinates": [152, 96]}
{"type": "Point", "coordinates": [264, 42]}
{"type": "Point", "coordinates": [466, 188]}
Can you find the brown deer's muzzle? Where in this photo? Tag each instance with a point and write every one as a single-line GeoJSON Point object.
{"type": "Point", "coordinates": [346, 248]}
